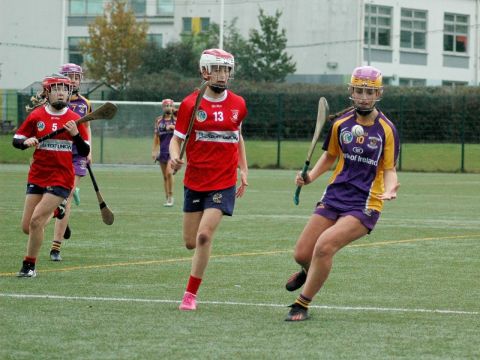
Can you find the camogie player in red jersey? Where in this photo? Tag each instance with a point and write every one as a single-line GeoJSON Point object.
{"type": "Point", "coordinates": [215, 149]}
{"type": "Point", "coordinates": [51, 176]}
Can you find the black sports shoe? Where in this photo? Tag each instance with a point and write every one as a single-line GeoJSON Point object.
{"type": "Point", "coordinates": [296, 280]}
{"type": "Point", "coordinates": [59, 212]}
{"type": "Point", "coordinates": [27, 270]}
{"type": "Point", "coordinates": [297, 313]}
{"type": "Point", "coordinates": [67, 233]}
{"type": "Point", "coordinates": [55, 255]}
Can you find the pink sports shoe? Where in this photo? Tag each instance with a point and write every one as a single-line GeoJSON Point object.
{"type": "Point", "coordinates": [189, 302]}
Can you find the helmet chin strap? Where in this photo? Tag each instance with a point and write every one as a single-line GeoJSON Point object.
{"type": "Point", "coordinates": [59, 105]}
{"type": "Point", "coordinates": [218, 89]}
{"type": "Point", "coordinates": [364, 112]}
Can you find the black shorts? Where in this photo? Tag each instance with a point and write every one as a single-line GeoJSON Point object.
{"type": "Point", "coordinates": [55, 190]}
{"type": "Point", "coordinates": [217, 199]}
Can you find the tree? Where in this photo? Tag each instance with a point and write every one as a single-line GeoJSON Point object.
{"type": "Point", "coordinates": [265, 58]}
{"type": "Point", "coordinates": [116, 40]}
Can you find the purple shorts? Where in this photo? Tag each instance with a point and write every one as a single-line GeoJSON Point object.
{"type": "Point", "coordinates": [223, 200]}
{"type": "Point", "coordinates": [367, 217]}
{"type": "Point", "coordinates": [80, 165]}
{"type": "Point", "coordinates": [163, 157]}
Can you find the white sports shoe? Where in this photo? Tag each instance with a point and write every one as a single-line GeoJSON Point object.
{"type": "Point", "coordinates": [169, 202]}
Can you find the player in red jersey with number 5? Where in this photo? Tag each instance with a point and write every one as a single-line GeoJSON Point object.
{"type": "Point", "coordinates": [51, 177]}
{"type": "Point", "coordinates": [215, 149]}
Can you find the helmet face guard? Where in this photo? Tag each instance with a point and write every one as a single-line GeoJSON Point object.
{"type": "Point", "coordinates": [365, 88]}
{"type": "Point", "coordinates": [75, 73]}
{"type": "Point", "coordinates": [58, 89]}
{"type": "Point", "coordinates": [218, 66]}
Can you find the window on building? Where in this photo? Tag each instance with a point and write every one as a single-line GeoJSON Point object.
{"type": "Point", "coordinates": [75, 54]}
{"type": "Point", "coordinates": [156, 39]}
{"type": "Point", "coordinates": [195, 25]}
{"type": "Point", "coordinates": [139, 7]}
{"type": "Point", "coordinates": [413, 32]}
{"type": "Point", "coordinates": [454, 83]}
{"type": "Point", "coordinates": [412, 82]}
{"type": "Point", "coordinates": [378, 25]}
{"type": "Point", "coordinates": [165, 7]}
{"type": "Point", "coordinates": [455, 32]}
{"type": "Point", "coordinates": [86, 7]}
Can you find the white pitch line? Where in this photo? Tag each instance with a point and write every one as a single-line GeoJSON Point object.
{"type": "Point", "coordinates": [234, 303]}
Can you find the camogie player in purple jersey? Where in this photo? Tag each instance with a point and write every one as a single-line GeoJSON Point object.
{"type": "Point", "coordinates": [163, 133]}
{"type": "Point", "coordinates": [366, 145]}
{"type": "Point", "coordinates": [80, 105]}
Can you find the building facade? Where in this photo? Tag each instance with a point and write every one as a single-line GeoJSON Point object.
{"type": "Point", "coordinates": [414, 42]}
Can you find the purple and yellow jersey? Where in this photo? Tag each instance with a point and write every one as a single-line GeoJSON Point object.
{"type": "Point", "coordinates": [81, 106]}
{"type": "Point", "coordinates": [164, 134]}
{"type": "Point", "coordinates": [357, 180]}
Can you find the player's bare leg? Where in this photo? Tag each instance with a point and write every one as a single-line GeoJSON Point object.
{"type": "Point", "coordinates": [62, 229]}
{"type": "Point", "coordinates": [167, 183]}
{"type": "Point", "coordinates": [345, 230]}
{"type": "Point", "coordinates": [37, 220]}
{"type": "Point", "coordinates": [191, 222]}
{"type": "Point", "coordinates": [209, 222]}
{"type": "Point", "coordinates": [315, 226]}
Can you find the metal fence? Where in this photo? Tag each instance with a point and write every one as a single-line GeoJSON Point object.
{"type": "Point", "coordinates": [437, 133]}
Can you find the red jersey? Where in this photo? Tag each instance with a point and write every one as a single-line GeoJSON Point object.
{"type": "Point", "coordinates": [52, 159]}
{"type": "Point", "coordinates": [212, 149]}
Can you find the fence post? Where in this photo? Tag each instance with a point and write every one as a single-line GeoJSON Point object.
{"type": "Point", "coordinates": [280, 113]}
{"type": "Point", "coordinates": [462, 137]}
{"type": "Point", "coordinates": [101, 133]}
{"type": "Point", "coordinates": [400, 132]}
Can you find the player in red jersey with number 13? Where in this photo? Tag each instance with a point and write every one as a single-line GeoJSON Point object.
{"type": "Point", "coordinates": [215, 149]}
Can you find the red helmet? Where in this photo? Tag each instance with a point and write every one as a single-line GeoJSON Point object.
{"type": "Point", "coordinates": [55, 79]}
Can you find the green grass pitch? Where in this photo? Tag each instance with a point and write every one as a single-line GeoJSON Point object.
{"type": "Point", "coordinates": [409, 290]}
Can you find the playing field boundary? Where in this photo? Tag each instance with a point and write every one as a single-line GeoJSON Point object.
{"type": "Point", "coordinates": [235, 303]}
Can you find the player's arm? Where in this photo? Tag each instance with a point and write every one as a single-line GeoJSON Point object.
{"type": "Point", "coordinates": [156, 143]}
{"type": "Point", "coordinates": [22, 142]}
{"type": "Point", "coordinates": [242, 164]}
{"type": "Point", "coordinates": [25, 135]}
{"type": "Point", "coordinates": [323, 164]}
{"type": "Point", "coordinates": [390, 180]}
{"type": "Point", "coordinates": [83, 147]}
{"type": "Point", "coordinates": [174, 149]}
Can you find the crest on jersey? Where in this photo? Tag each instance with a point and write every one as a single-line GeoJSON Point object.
{"type": "Point", "coordinates": [201, 116]}
{"type": "Point", "coordinates": [40, 125]}
{"type": "Point", "coordinates": [373, 142]}
{"type": "Point", "coordinates": [346, 137]}
{"type": "Point", "coordinates": [234, 116]}
{"type": "Point", "coordinates": [217, 198]}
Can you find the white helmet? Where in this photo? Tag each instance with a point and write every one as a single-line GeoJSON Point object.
{"type": "Point", "coordinates": [216, 57]}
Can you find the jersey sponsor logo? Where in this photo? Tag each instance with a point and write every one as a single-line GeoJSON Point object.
{"type": "Point", "coordinates": [218, 136]}
{"type": "Point", "coordinates": [201, 116]}
{"type": "Point", "coordinates": [361, 159]}
{"type": "Point", "coordinates": [56, 145]}
{"type": "Point", "coordinates": [40, 125]}
{"type": "Point", "coordinates": [357, 150]}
